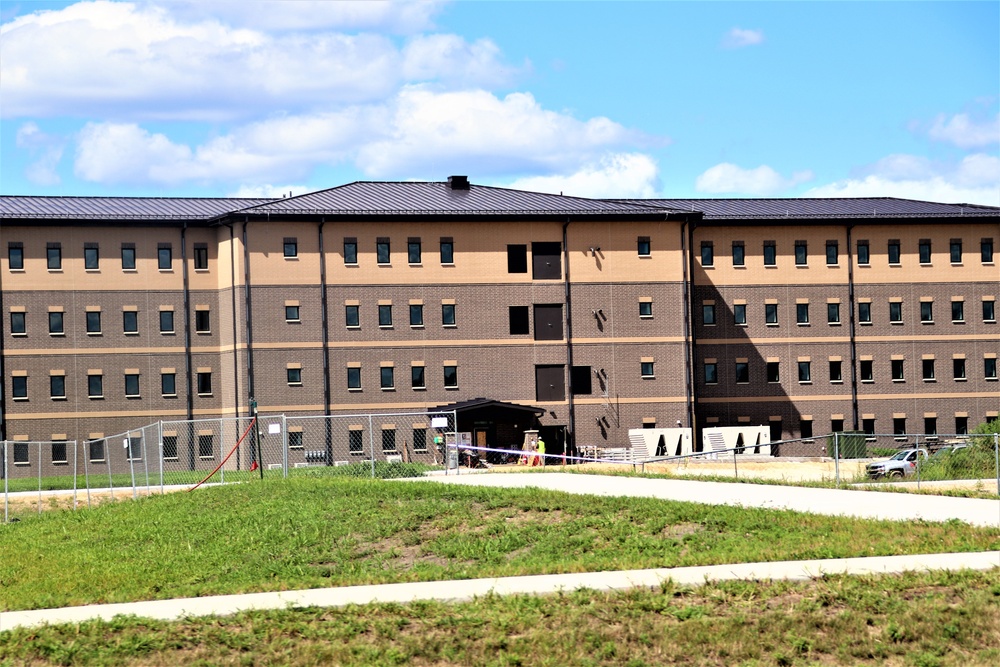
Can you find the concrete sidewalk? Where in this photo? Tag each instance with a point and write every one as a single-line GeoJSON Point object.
{"type": "Point", "coordinates": [832, 502]}
{"type": "Point", "coordinates": [471, 588]}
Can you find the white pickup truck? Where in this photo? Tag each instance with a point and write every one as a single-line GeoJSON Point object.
{"type": "Point", "coordinates": [903, 464]}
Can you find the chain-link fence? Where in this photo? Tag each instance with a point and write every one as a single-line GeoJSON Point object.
{"type": "Point", "coordinates": [186, 453]}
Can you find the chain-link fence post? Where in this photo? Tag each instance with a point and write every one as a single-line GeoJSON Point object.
{"type": "Point", "coordinates": [836, 457]}
{"type": "Point", "coordinates": [996, 458]}
{"type": "Point", "coordinates": [284, 447]}
{"type": "Point", "coordinates": [76, 457]}
{"type": "Point", "coordinates": [919, 462]}
{"type": "Point", "coordinates": [3, 448]}
{"type": "Point", "coordinates": [86, 468]}
{"type": "Point", "coordinates": [371, 443]}
{"type": "Point", "coordinates": [159, 449]}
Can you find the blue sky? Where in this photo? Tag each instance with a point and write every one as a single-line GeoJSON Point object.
{"type": "Point", "coordinates": [606, 99]}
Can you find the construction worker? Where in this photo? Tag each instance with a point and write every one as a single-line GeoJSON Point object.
{"type": "Point", "coordinates": [539, 458]}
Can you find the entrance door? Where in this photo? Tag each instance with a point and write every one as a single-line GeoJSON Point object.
{"type": "Point", "coordinates": [479, 438]}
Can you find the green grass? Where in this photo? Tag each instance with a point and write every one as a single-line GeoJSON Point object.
{"type": "Point", "coordinates": [919, 620]}
{"type": "Point", "coordinates": [316, 532]}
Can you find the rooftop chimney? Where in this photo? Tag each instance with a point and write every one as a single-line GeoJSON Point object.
{"type": "Point", "coordinates": [458, 182]}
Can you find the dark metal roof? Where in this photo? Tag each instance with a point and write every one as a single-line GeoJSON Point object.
{"type": "Point", "coordinates": [120, 208]}
{"type": "Point", "coordinates": [861, 207]}
{"type": "Point", "coordinates": [438, 198]}
{"type": "Point", "coordinates": [477, 403]}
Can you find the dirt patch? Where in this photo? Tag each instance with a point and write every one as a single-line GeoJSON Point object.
{"type": "Point", "coordinates": [28, 502]}
{"type": "Point", "coordinates": [681, 530]}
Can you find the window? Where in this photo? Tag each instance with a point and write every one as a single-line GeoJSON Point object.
{"type": "Point", "coordinates": [447, 251]}
{"type": "Point", "coordinates": [202, 321]}
{"type": "Point", "coordinates": [385, 315]}
{"type": "Point", "coordinates": [451, 377]}
{"type": "Point", "coordinates": [866, 370]}
{"type": "Point", "coordinates": [707, 253]}
{"type": "Point", "coordinates": [708, 314]}
{"type": "Point", "coordinates": [961, 425]}
{"type": "Point", "coordinates": [94, 322]}
{"type": "Point", "coordinates": [773, 371]}
{"type": "Point", "coordinates": [56, 327]}
{"type": "Point", "coordinates": [168, 384]}
{"type": "Point", "coordinates": [833, 313]}
{"type": "Point", "coordinates": [805, 371]}
{"type": "Point", "coordinates": [896, 312]}
{"type": "Point", "coordinates": [985, 251]}
{"type": "Point", "coordinates": [131, 385]}
{"type": "Point", "coordinates": [836, 425]}
{"type": "Point", "coordinates": [899, 425]}
{"type": "Point", "coordinates": [645, 309]}
{"type": "Point", "coordinates": [517, 259]}
{"type": "Point", "coordinates": [927, 366]}
{"type": "Point", "coordinates": [295, 440]}
{"type": "Point", "coordinates": [292, 314]}
{"type": "Point", "coordinates": [771, 313]}
{"type": "Point", "coordinates": [128, 257]}
{"type": "Point", "coordinates": [550, 383]}
{"type": "Point", "coordinates": [739, 254]}
{"type": "Point", "coordinates": [355, 441]}
{"type": "Point", "coordinates": [200, 256]}
{"type": "Point", "coordinates": [927, 312]}
{"type": "Point", "coordinates": [166, 321]}
{"type": "Point", "coordinates": [96, 450]}
{"type": "Point", "coordinates": [413, 253]}
{"type": "Point", "coordinates": [294, 376]}
{"type": "Point", "coordinates": [802, 313]}
{"type": "Point", "coordinates": [897, 370]}
{"type": "Point", "coordinates": [416, 315]}
{"type": "Point", "coordinates": [382, 254]}
{"type": "Point", "coordinates": [130, 321]}
{"type": "Point", "coordinates": [18, 325]}
{"type": "Point", "coordinates": [742, 372]}
{"type": "Point", "coordinates": [95, 386]}
{"type": "Point", "coordinates": [388, 439]}
{"type": "Point", "coordinates": [546, 260]}
{"type": "Point", "coordinates": [865, 312]}
{"type": "Point", "coordinates": [519, 323]}
{"type": "Point", "coordinates": [419, 439]}
{"type": "Point", "coordinates": [930, 425]}
{"type": "Point", "coordinates": [989, 310]}
{"type": "Point", "coordinates": [836, 371]}
{"type": "Point", "coordinates": [646, 369]}
{"type": "Point", "coordinates": [204, 379]}
{"type": "Point", "coordinates": [832, 253]}
{"type": "Point", "coordinates": [868, 426]}
{"type": "Point", "coordinates": [643, 246]}
{"type": "Point", "coordinates": [806, 428]}
{"type": "Point", "coordinates": [91, 257]}
{"type": "Point", "coordinates": [958, 369]}
{"type": "Point", "coordinates": [387, 377]}
{"type": "Point", "coordinates": [448, 314]}
{"type": "Point", "coordinates": [894, 251]}
{"type": "Point", "coordinates": [53, 256]}
{"type": "Point", "coordinates": [711, 372]}
{"type": "Point", "coordinates": [864, 253]}
{"type": "Point", "coordinates": [924, 249]}
{"type": "Point", "coordinates": [350, 251]}
{"type": "Point", "coordinates": [15, 256]}
{"type": "Point", "coordinates": [59, 451]}
{"type": "Point", "coordinates": [418, 379]}
{"type": "Point", "coordinates": [955, 251]}
{"type": "Point", "coordinates": [21, 453]}
{"type": "Point", "coordinates": [19, 387]}
{"type": "Point", "coordinates": [164, 257]}
{"type": "Point", "coordinates": [801, 254]}
{"type": "Point", "coordinates": [957, 311]}
{"type": "Point", "coordinates": [580, 380]}
{"type": "Point", "coordinates": [770, 254]}
{"type": "Point", "coordinates": [206, 446]}
{"type": "Point", "coordinates": [990, 368]}
{"type": "Point", "coordinates": [351, 316]}
{"type": "Point", "coordinates": [290, 247]}
{"type": "Point", "coordinates": [354, 378]}
{"type": "Point", "coordinates": [740, 314]}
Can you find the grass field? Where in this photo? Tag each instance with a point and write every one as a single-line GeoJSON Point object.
{"type": "Point", "coordinates": [318, 532]}
{"type": "Point", "coordinates": [923, 620]}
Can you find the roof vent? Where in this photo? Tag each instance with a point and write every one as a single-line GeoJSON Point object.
{"type": "Point", "coordinates": [458, 182]}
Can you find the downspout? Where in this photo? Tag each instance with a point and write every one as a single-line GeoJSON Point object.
{"type": "Point", "coordinates": [248, 306]}
{"type": "Point", "coordinates": [3, 375]}
{"type": "Point", "coordinates": [571, 436]}
{"type": "Point", "coordinates": [325, 326]}
{"type": "Point", "coordinates": [852, 331]}
{"type": "Point", "coordinates": [232, 295]}
{"type": "Point", "coordinates": [687, 232]}
{"type": "Point", "coordinates": [189, 395]}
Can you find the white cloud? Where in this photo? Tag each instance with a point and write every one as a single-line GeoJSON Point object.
{"type": "Point", "coordinates": [47, 151]}
{"type": "Point", "coordinates": [727, 178]}
{"type": "Point", "coordinates": [268, 191]}
{"type": "Point", "coordinates": [738, 38]}
{"type": "Point", "coordinates": [124, 62]}
{"type": "Point", "coordinates": [965, 132]}
{"type": "Point", "coordinates": [616, 175]}
{"type": "Point", "coordinates": [973, 180]}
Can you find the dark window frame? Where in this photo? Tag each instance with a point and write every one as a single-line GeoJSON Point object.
{"type": "Point", "coordinates": [19, 387]}
{"type": "Point", "coordinates": [200, 257]}
{"type": "Point", "coordinates": [864, 253]}
{"type": "Point", "coordinates": [447, 251]}
{"type": "Point", "coordinates": [517, 258]}
{"type": "Point", "coordinates": [416, 314]}
{"type": "Point", "coordinates": [894, 252]}
{"type": "Point", "coordinates": [739, 254]}
{"type": "Point", "coordinates": [290, 247]}
{"type": "Point", "coordinates": [450, 376]}
{"type": "Point", "coordinates": [739, 314]}
{"type": "Point", "coordinates": [801, 253]}
{"type": "Point", "coordinates": [57, 323]}
{"type": "Point", "coordinates": [352, 316]}
{"type": "Point", "coordinates": [742, 369]}
{"type": "Point", "coordinates": [414, 251]}
{"type": "Point", "coordinates": [15, 256]}
{"type": "Point", "coordinates": [128, 257]}
{"type": "Point", "coordinates": [91, 257]}
{"type": "Point", "coordinates": [168, 384]}
{"type": "Point", "coordinates": [833, 313]}
{"type": "Point", "coordinates": [203, 321]}
{"type": "Point", "coordinates": [805, 372]}
{"type": "Point", "coordinates": [644, 247]}
{"type": "Point", "coordinates": [448, 315]}
{"type": "Point", "coordinates": [354, 378]}
{"type": "Point", "coordinates": [519, 320]}
{"type": "Point", "coordinates": [350, 251]}
{"type": "Point", "coordinates": [832, 253]}
{"type": "Point", "coordinates": [167, 322]}
{"type": "Point", "coordinates": [93, 322]}
{"type": "Point", "coordinates": [53, 256]}
{"type": "Point", "coordinates": [385, 315]}
{"type": "Point", "coordinates": [770, 253]}
{"type": "Point", "coordinates": [132, 389]}
{"type": "Point", "coordinates": [18, 323]}
{"type": "Point", "coordinates": [383, 252]}
{"type": "Point", "coordinates": [95, 386]}
{"type": "Point", "coordinates": [418, 377]}
{"type": "Point", "coordinates": [293, 376]}
{"type": "Point", "coordinates": [204, 383]}
{"type": "Point", "coordinates": [387, 378]}
{"type": "Point", "coordinates": [164, 257]}
{"type": "Point", "coordinates": [707, 253]}
{"type": "Point", "coordinates": [924, 251]}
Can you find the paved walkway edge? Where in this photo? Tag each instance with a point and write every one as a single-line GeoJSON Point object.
{"type": "Point", "coordinates": [468, 589]}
